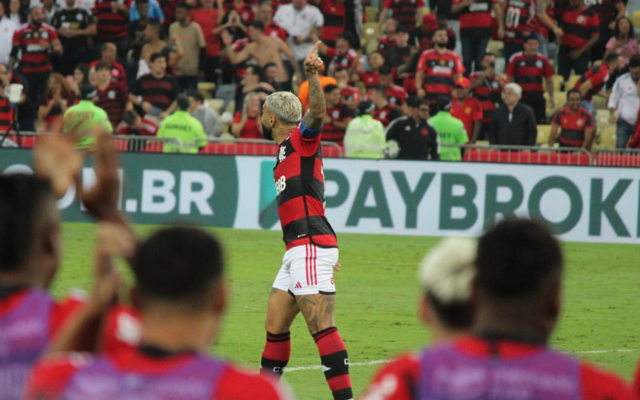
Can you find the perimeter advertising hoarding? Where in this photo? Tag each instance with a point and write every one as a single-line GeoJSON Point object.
{"type": "Point", "coordinates": [588, 204]}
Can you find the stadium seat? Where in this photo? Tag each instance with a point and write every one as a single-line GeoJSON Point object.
{"type": "Point", "coordinates": [561, 101]}
{"type": "Point", "coordinates": [372, 13]}
{"type": "Point", "coordinates": [423, 11]}
{"type": "Point", "coordinates": [495, 47]}
{"type": "Point", "coordinates": [557, 82]}
{"type": "Point", "coordinates": [607, 138]}
{"type": "Point", "coordinates": [543, 134]}
{"type": "Point", "coordinates": [635, 18]}
{"type": "Point", "coordinates": [215, 104]}
{"type": "Point", "coordinates": [231, 106]}
{"type": "Point", "coordinates": [369, 37]}
{"type": "Point", "coordinates": [572, 81]}
{"type": "Point", "coordinates": [599, 102]}
{"type": "Point", "coordinates": [206, 89]}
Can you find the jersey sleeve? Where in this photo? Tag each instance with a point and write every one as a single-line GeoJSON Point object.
{"type": "Point", "coordinates": [387, 4]}
{"type": "Point", "coordinates": [548, 69]}
{"type": "Point", "coordinates": [122, 329]}
{"type": "Point", "coordinates": [599, 385]}
{"type": "Point", "coordinates": [239, 385]}
{"type": "Point", "coordinates": [64, 310]}
{"type": "Point", "coordinates": [331, 52]}
{"type": "Point", "coordinates": [555, 120]}
{"type": "Point", "coordinates": [306, 140]}
{"type": "Point", "coordinates": [511, 66]}
{"type": "Point", "coordinates": [589, 122]}
{"type": "Point", "coordinates": [422, 62]}
{"type": "Point", "coordinates": [50, 376]}
{"type": "Point", "coordinates": [477, 115]}
{"type": "Point", "coordinates": [395, 381]}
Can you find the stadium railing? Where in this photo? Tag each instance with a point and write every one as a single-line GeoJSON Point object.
{"type": "Point", "coordinates": [257, 147]}
{"type": "Point", "coordinates": [523, 154]}
{"type": "Point", "coordinates": [617, 158]}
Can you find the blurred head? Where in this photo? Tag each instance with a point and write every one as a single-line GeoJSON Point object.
{"type": "Point", "coordinates": [207, 4]}
{"type": "Point", "coordinates": [56, 82]}
{"type": "Point", "coordinates": [612, 61]}
{"type": "Point", "coordinates": [109, 52]}
{"type": "Point", "coordinates": [624, 27]}
{"type": "Point", "coordinates": [182, 101]}
{"type": "Point", "coordinates": [280, 110]}
{"type": "Point", "coordinates": [182, 13]}
{"type": "Point", "coordinates": [81, 74]}
{"type": "Point", "coordinates": [142, 6]}
{"type": "Point", "coordinates": [29, 231]}
{"type": "Point", "coordinates": [488, 61]}
{"type": "Point", "coordinates": [385, 76]}
{"type": "Point", "coordinates": [418, 108]}
{"type": "Point", "coordinates": [270, 71]}
{"type": "Point", "coordinates": [131, 118]}
{"type": "Point", "coordinates": [366, 107]}
{"type": "Point", "coordinates": [298, 4]}
{"type": "Point", "coordinates": [251, 104]}
{"type": "Point", "coordinates": [195, 100]}
{"type": "Point", "coordinates": [511, 94]}
{"type": "Point", "coordinates": [429, 23]}
{"type": "Point", "coordinates": [265, 13]}
{"type": "Point", "coordinates": [519, 270]}
{"type": "Point", "coordinates": [440, 38]}
{"type": "Point", "coordinates": [70, 3]}
{"type": "Point", "coordinates": [103, 72]}
{"type": "Point", "coordinates": [446, 274]}
{"type": "Point", "coordinates": [153, 30]}
{"type": "Point", "coordinates": [341, 75]}
{"type": "Point", "coordinates": [179, 272]}
{"type": "Point", "coordinates": [376, 60]}
{"type": "Point", "coordinates": [252, 75]}
{"type": "Point", "coordinates": [390, 27]}
{"type": "Point", "coordinates": [462, 88]}
{"type": "Point", "coordinates": [531, 45]}
{"type": "Point", "coordinates": [346, 41]}
{"type": "Point", "coordinates": [332, 95]}
{"type": "Point", "coordinates": [379, 96]}
{"type": "Point", "coordinates": [255, 30]}
{"type": "Point", "coordinates": [93, 77]}
{"type": "Point", "coordinates": [442, 20]}
{"type": "Point", "coordinates": [574, 98]}
{"type": "Point", "coordinates": [5, 75]}
{"type": "Point", "coordinates": [1, 9]}
{"type": "Point", "coordinates": [402, 36]}
{"type": "Point", "coordinates": [47, 3]}
{"type": "Point", "coordinates": [634, 67]}
{"type": "Point", "coordinates": [14, 6]}
{"type": "Point", "coordinates": [36, 16]}
{"type": "Point", "coordinates": [576, 4]}
{"type": "Point", "coordinates": [157, 64]}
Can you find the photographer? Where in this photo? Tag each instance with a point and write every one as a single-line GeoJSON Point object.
{"type": "Point", "coordinates": [486, 86]}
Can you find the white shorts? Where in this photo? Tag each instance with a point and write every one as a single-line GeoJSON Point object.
{"type": "Point", "coordinates": [307, 269]}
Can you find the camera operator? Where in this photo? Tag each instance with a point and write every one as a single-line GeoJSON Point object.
{"type": "Point", "coordinates": [486, 86]}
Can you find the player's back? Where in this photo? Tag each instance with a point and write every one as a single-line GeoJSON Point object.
{"type": "Point", "coordinates": [148, 373]}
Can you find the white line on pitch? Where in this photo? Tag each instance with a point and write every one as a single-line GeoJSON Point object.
{"type": "Point", "coordinates": [373, 362]}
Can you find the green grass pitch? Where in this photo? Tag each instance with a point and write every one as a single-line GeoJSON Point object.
{"type": "Point", "coordinates": [377, 296]}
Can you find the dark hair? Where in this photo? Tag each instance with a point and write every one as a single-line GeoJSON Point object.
{"type": "Point", "coordinates": [339, 68]}
{"type": "Point", "coordinates": [616, 29]}
{"type": "Point", "coordinates": [457, 315]}
{"type": "Point", "coordinates": [22, 201]}
{"type": "Point", "coordinates": [105, 46]}
{"type": "Point", "coordinates": [259, 25]}
{"type": "Point", "coordinates": [515, 256]}
{"type": "Point", "coordinates": [156, 25]}
{"type": "Point", "coordinates": [439, 29]}
{"type": "Point", "coordinates": [184, 6]}
{"type": "Point", "coordinates": [421, 101]}
{"type": "Point", "coordinates": [330, 88]}
{"type": "Point", "coordinates": [155, 56]}
{"type": "Point", "coordinates": [100, 65]}
{"type": "Point", "coordinates": [573, 91]}
{"type": "Point", "coordinates": [84, 68]}
{"type": "Point", "coordinates": [634, 61]}
{"type": "Point", "coordinates": [611, 58]}
{"type": "Point", "coordinates": [488, 54]}
{"type": "Point", "coordinates": [384, 70]}
{"type": "Point", "coordinates": [349, 37]}
{"type": "Point", "coordinates": [197, 96]}
{"type": "Point", "coordinates": [257, 70]}
{"type": "Point", "coordinates": [142, 1]}
{"type": "Point", "coordinates": [379, 89]}
{"type": "Point", "coordinates": [531, 37]}
{"type": "Point", "coordinates": [179, 265]}
{"type": "Point", "coordinates": [129, 117]}
{"type": "Point", "coordinates": [269, 65]}
{"type": "Point", "coordinates": [182, 101]}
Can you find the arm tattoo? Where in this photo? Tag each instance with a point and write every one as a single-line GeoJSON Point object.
{"type": "Point", "coordinates": [317, 105]}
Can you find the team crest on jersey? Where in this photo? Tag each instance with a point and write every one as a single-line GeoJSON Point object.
{"type": "Point", "coordinates": [467, 110]}
{"type": "Point", "coordinates": [581, 19]}
{"type": "Point", "coordinates": [335, 114]}
{"type": "Point", "coordinates": [115, 73]}
{"type": "Point", "coordinates": [580, 122]}
{"type": "Point", "coordinates": [111, 94]}
{"type": "Point", "coordinates": [424, 132]}
{"type": "Point", "coordinates": [539, 64]}
{"type": "Point", "coordinates": [79, 17]}
{"type": "Point", "coordinates": [282, 153]}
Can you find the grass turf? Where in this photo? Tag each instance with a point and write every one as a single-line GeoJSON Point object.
{"type": "Point", "coordinates": [377, 296]}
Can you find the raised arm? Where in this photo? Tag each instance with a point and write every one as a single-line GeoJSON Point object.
{"type": "Point", "coordinates": [317, 104]}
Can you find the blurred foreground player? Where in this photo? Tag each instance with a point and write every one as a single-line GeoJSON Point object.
{"type": "Point", "coordinates": [517, 293]}
{"type": "Point", "coordinates": [180, 294]}
{"type": "Point", "coordinates": [305, 282]}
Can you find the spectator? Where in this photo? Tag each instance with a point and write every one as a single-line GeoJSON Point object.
{"type": "Point", "coordinates": [384, 112]}
{"type": "Point", "coordinates": [514, 123]}
{"type": "Point", "coordinates": [6, 111]}
{"type": "Point", "coordinates": [34, 41]}
{"type": "Point", "coordinates": [443, 23]}
{"type": "Point", "coordinates": [57, 98]}
{"type": "Point", "coordinates": [575, 124]}
{"type": "Point", "coordinates": [262, 49]}
{"type": "Point", "coordinates": [271, 77]}
{"type": "Point", "coordinates": [388, 36]}
{"type": "Point", "coordinates": [192, 41]}
{"type": "Point", "coordinates": [134, 124]}
{"type": "Point", "coordinates": [416, 138]}
{"type": "Point", "coordinates": [423, 34]}
{"type": "Point", "coordinates": [450, 130]}
{"type": "Point", "coordinates": [301, 35]}
{"type": "Point", "coordinates": [624, 103]}
{"type": "Point", "coordinates": [136, 39]}
{"type": "Point", "coordinates": [517, 299]}
{"type": "Point", "coordinates": [580, 25]}
{"type": "Point", "coordinates": [467, 109]}
{"type": "Point", "coordinates": [244, 9]}
{"type": "Point", "coordinates": [253, 81]}
{"type": "Point", "coordinates": [108, 54]}
{"type": "Point", "coordinates": [609, 13]}
{"type": "Point", "coordinates": [438, 69]}
{"type": "Point", "coordinates": [343, 55]}
{"type": "Point", "coordinates": [209, 17]}
{"type": "Point", "coordinates": [349, 95]}
{"type": "Point", "coordinates": [370, 77]}
{"type": "Point", "coordinates": [475, 28]}
{"type": "Point", "coordinates": [364, 137]}
{"type": "Point", "coordinates": [246, 123]}
{"type": "Point", "coordinates": [183, 127]}
{"type": "Point", "coordinates": [265, 15]}
{"type": "Point", "coordinates": [487, 87]}
{"type": "Point", "coordinates": [528, 69]}
{"type": "Point", "coordinates": [17, 12]}
{"type": "Point", "coordinates": [80, 77]}
{"type": "Point", "coordinates": [49, 8]}
{"type": "Point", "coordinates": [153, 10]}
{"type": "Point", "coordinates": [25, 107]}
{"type": "Point", "coordinates": [207, 116]}
{"type": "Point", "coordinates": [153, 43]}
{"type": "Point", "coordinates": [335, 20]}
{"type": "Point", "coordinates": [111, 97]}
{"type": "Point", "coordinates": [395, 94]}
{"type": "Point", "coordinates": [303, 93]}
{"type": "Point", "coordinates": [7, 29]}
{"type": "Point", "coordinates": [521, 22]}
{"type": "Point", "coordinates": [593, 82]}
{"type": "Point", "coordinates": [404, 11]}
{"type": "Point", "coordinates": [156, 92]}
{"type": "Point", "coordinates": [397, 52]}
{"type": "Point", "coordinates": [113, 24]}
{"type": "Point", "coordinates": [623, 41]}
{"type": "Point", "coordinates": [75, 26]}
{"type": "Point", "coordinates": [337, 116]}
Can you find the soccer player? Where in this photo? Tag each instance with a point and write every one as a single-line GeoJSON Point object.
{"type": "Point", "coordinates": [85, 116]}
{"type": "Point", "coordinates": [574, 122]}
{"type": "Point", "coordinates": [305, 283]}
{"type": "Point", "coordinates": [517, 291]}
{"type": "Point", "coordinates": [180, 293]}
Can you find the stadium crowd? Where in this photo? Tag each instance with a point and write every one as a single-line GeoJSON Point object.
{"type": "Point", "coordinates": [506, 69]}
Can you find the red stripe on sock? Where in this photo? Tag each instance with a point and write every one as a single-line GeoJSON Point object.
{"type": "Point", "coordinates": [279, 351]}
{"type": "Point", "coordinates": [330, 343]}
{"type": "Point", "coordinates": [339, 382]}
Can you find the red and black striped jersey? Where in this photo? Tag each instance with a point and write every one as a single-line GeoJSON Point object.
{"type": "Point", "coordinates": [386, 114]}
{"type": "Point", "coordinates": [488, 93]}
{"type": "Point", "coordinates": [160, 92]}
{"type": "Point", "coordinates": [6, 115]}
{"type": "Point", "coordinates": [520, 20]}
{"type": "Point", "coordinates": [396, 95]}
{"type": "Point", "coordinates": [111, 26]}
{"type": "Point", "coordinates": [409, 84]}
{"type": "Point", "coordinates": [369, 78]}
{"type": "Point", "coordinates": [245, 10]}
{"type": "Point", "coordinates": [118, 75]}
{"type": "Point", "coordinates": [345, 60]}
{"type": "Point", "coordinates": [113, 99]}
{"type": "Point", "coordinates": [350, 94]}
{"type": "Point", "coordinates": [440, 69]}
{"type": "Point", "coordinates": [335, 15]}
{"type": "Point", "coordinates": [579, 26]}
{"type": "Point", "coordinates": [598, 76]}
{"type": "Point", "coordinates": [332, 133]}
{"type": "Point", "coordinates": [147, 128]}
{"type": "Point", "coordinates": [275, 30]}
{"type": "Point", "coordinates": [572, 125]}
{"type": "Point", "coordinates": [605, 9]}
{"type": "Point", "coordinates": [529, 72]}
{"type": "Point", "coordinates": [475, 20]}
{"type": "Point", "coordinates": [299, 179]}
{"type": "Point", "coordinates": [35, 57]}
{"type": "Point", "coordinates": [404, 11]}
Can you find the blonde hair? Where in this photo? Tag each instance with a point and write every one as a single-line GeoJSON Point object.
{"type": "Point", "coordinates": [285, 106]}
{"type": "Point", "coordinates": [60, 79]}
{"type": "Point", "coordinates": [245, 102]}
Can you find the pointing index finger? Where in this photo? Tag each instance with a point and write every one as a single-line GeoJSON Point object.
{"type": "Point", "coordinates": [315, 47]}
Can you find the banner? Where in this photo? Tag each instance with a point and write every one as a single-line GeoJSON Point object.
{"type": "Point", "coordinates": [588, 204]}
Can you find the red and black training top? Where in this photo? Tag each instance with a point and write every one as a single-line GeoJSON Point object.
{"type": "Point", "coordinates": [339, 113]}
{"type": "Point", "coordinates": [488, 92]}
{"type": "Point", "coordinates": [440, 69]}
{"type": "Point", "coordinates": [111, 26]}
{"type": "Point", "coordinates": [529, 73]}
{"type": "Point", "coordinates": [579, 26]}
{"type": "Point", "coordinates": [6, 115]}
{"type": "Point", "coordinates": [572, 125]}
{"type": "Point", "coordinates": [404, 11]}
{"type": "Point", "coordinates": [520, 20]}
{"type": "Point", "coordinates": [299, 179]}
{"type": "Point", "coordinates": [386, 114]}
{"type": "Point", "coordinates": [113, 99]}
{"type": "Point", "coordinates": [335, 15]}
{"type": "Point", "coordinates": [160, 92]}
{"type": "Point", "coordinates": [475, 20]}
{"type": "Point", "coordinates": [29, 40]}
{"type": "Point", "coordinates": [598, 76]}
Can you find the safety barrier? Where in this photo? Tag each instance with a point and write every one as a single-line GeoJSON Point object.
{"type": "Point", "coordinates": [617, 158]}
{"type": "Point", "coordinates": [524, 154]}
{"type": "Point", "coordinates": [257, 147]}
